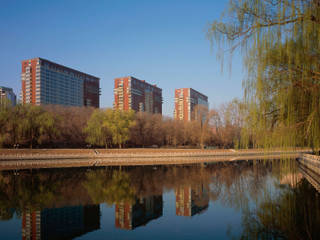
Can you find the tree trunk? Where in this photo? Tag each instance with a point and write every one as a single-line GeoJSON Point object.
{"type": "Point", "coordinates": [32, 136]}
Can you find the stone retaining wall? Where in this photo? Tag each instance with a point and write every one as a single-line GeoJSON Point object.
{"type": "Point", "coordinates": [143, 154]}
{"type": "Point", "coordinates": [13, 164]}
{"type": "Point", "coordinates": [309, 165]}
{"type": "Point", "coordinates": [311, 161]}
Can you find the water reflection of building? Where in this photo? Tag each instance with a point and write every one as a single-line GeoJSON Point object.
{"type": "Point", "coordinates": [191, 200]}
{"type": "Point", "coordinates": [60, 223]}
{"type": "Point", "coordinates": [129, 216]}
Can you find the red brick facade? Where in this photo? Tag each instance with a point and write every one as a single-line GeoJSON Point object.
{"type": "Point", "coordinates": [138, 95]}
{"type": "Point", "coordinates": [90, 84]}
{"type": "Point", "coordinates": [33, 65]}
{"type": "Point", "coordinates": [185, 101]}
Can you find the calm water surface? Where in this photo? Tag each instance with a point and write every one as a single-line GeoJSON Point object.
{"type": "Point", "coordinates": [276, 199]}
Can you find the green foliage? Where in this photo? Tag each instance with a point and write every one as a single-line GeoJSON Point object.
{"type": "Point", "coordinates": [37, 124]}
{"type": "Point", "coordinates": [26, 125]}
{"type": "Point", "coordinates": [97, 133]}
{"type": "Point", "coordinates": [5, 104]}
{"type": "Point", "coordinates": [119, 123]}
{"type": "Point", "coordinates": [107, 124]}
{"type": "Point", "coordinates": [282, 54]}
{"type": "Point", "coordinates": [4, 117]}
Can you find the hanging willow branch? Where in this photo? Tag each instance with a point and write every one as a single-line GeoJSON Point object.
{"type": "Point", "coordinates": [281, 42]}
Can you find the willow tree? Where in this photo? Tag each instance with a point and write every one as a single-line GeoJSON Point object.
{"type": "Point", "coordinates": [280, 42]}
{"type": "Point", "coordinates": [119, 123]}
{"type": "Point", "coordinates": [97, 133]}
{"type": "Point", "coordinates": [37, 125]}
{"type": "Point", "coordinates": [26, 124]}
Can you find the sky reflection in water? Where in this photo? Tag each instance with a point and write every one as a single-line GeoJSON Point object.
{"type": "Point", "coordinates": [245, 199]}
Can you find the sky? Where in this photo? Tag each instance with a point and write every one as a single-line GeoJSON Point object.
{"type": "Point", "coordinates": [163, 42]}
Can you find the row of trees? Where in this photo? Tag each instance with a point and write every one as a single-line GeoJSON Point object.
{"type": "Point", "coordinates": [25, 124]}
{"type": "Point", "coordinates": [220, 128]}
{"type": "Point", "coordinates": [57, 126]}
{"type": "Point", "coordinates": [48, 126]}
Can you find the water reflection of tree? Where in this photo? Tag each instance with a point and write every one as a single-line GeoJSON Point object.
{"type": "Point", "coordinates": [55, 188]}
{"type": "Point", "coordinates": [242, 185]}
{"type": "Point", "coordinates": [293, 214]}
{"type": "Point", "coordinates": [110, 187]}
{"type": "Point", "coordinates": [25, 193]}
{"type": "Point", "coordinates": [228, 182]}
{"type": "Point", "coordinates": [35, 190]}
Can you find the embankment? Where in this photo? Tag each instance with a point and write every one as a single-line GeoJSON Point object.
{"type": "Point", "coordinates": [53, 158]}
{"type": "Point", "coordinates": [309, 165]}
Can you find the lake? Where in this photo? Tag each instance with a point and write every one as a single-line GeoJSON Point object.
{"type": "Point", "coordinates": [264, 199]}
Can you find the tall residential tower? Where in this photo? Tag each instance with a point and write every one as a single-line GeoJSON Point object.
{"type": "Point", "coordinates": [45, 82]}
{"type": "Point", "coordinates": [7, 94]}
{"type": "Point", "coordinates": [185, 102]}
{"type": "Point", "coordinates": [138, 95]}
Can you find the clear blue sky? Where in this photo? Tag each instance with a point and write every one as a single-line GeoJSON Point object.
{"type": "Point", "coordinates": [163, 42]}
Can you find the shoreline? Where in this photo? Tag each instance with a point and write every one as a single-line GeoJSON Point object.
{"type": "Point", "coordinates": [14, 159]}
{"type": "Point", "coordinates": [25, 154]}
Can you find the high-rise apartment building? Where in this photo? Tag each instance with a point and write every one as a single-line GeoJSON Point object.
{"type": "Point", "coordinates": [138, 95]}
{"type": "Point", "coordinates": [185, 102]}
{"type": "Point", "coordinates": [45, 82]}
{"type": "Point", "coordinates": [7, 94]}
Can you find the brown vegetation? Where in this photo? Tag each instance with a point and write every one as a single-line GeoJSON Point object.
{"type": "Point", "coordinates": [54, 126]}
